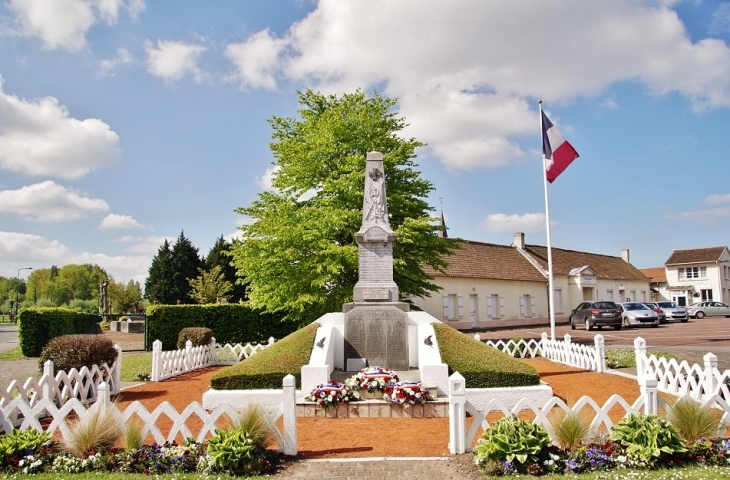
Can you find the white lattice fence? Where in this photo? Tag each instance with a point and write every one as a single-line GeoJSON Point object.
{"type": "Point", "coordinates": [518, 348]}
{"type": "Point", "coordinates": [167, 364]}
{"type": "Point", "coordinates": [31, 415]}
{"type": "Point", "coordinates": [680, 378]}
{"type": "Point", "coordinates": [461, 439]}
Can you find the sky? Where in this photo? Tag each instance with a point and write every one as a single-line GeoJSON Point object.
{"type": "Point", "coordinates": [127, 122]}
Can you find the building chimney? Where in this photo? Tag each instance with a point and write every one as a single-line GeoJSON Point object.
{"type": "Point", "coordinates": [518, 240]}
{"type": "Point", "coordinates": [625, 255]}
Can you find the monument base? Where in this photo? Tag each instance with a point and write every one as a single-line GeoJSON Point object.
{"type": "Point", "coordinates": [378, 333]}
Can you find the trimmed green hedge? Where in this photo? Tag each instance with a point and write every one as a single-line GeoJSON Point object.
{"type": "Point", "coordinates": [481, 366]}
{"type": "Point", "coordinates": [36, 326]}
{"type": "Point", "coordinates": [231, 323]}
{"type": "Point", "coordinates": [268, 367]}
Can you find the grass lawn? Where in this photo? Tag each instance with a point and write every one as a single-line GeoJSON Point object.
{"type": "Point", "coordinates": [14, 354]}
{"type": "Point", "coordinates": [134, 364]}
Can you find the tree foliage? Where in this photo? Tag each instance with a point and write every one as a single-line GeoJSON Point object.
{"type": "Point", "coordinates": [171, 270]}
{"type": "Point", "coordinates": [210, 285]}
{"type": "Point", "coordinates": [299, 253]}
{"type": "Point", "coordinates": [220, 255]}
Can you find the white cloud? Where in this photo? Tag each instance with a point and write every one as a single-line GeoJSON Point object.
{"type": "Point", "coordinates": [265, 182]}
{"type": "Point", "coordinates": [63, 24]}
{"type": "Point", "coordinates": [40, 138]}
{"type": "Point", "coordinates": [709, 217]}
{"type": "Point", "coordinates": [108, 66]}
{"type": "Point", "coordinates": [49, 202]}
{"type": "Point", "coordinates": [716, 199]}
{"type": "Point", "coordinates": [721, 19]}
{"type": "Point", "coordinates": [256, 60]}
{"type": "Point", "coordinates": [527, 223]}
{"type": "Point", "coordinates": [172, 60]}
{"type": "Point", "coordinates": [20, 250]}
{"type": "Point", "coordinates": [144, 245]}
{"type": "Point", "coordinates": [465, 91]}
{"type": "Point", "coordinates": [120, 221]}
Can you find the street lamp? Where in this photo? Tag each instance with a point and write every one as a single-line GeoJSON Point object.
{"type": "Point", "coordinates": [17, 290]}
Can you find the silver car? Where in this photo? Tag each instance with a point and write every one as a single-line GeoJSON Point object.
{"type": "Point", "coordinates": [674, 311]}
{"type": "Point", "coordinates": [636, 313]}
{"type": "Point", "coordinates": [708, 309]}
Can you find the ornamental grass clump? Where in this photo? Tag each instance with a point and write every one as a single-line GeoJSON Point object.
{"type": "Point", "coordinates": [570, 428]}
{"type": "Point", "coordinates": [257, 425]}
{"type": "Point", "coordinates": [514, 441]}
{"type": "Point", "coordinates": [98, 429]}
{"type": "Point", "coordinates": [132, 434]}
{"type": "Point", "coordinates": [693, 420]}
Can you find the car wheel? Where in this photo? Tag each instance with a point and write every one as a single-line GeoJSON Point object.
{"type": "Point", "coordinates": [617, 327]}
{"type": "Point", "coordinates": [684, 320]}
{"type": "Point", "coordinates": [588, 325]}
{"type": "Point", "coordinates": [655, 326]}
{"type": "Point", "coordinates": [700, 314]}
{"type": "Point", "coordinates": [572, 324]}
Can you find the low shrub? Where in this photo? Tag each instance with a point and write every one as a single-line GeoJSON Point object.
{"type": "Point", "coordinates": [513, 440]}
{"type": "Point", "coordinates": [20, 441]}
{"type": "Point", "coordinates": [76, 351]}
{"type": "Point", "coordinates": [267, 368]}
{"type": "Point", "coordinates": [198, 336]}
{"type": "Point", "coordinates": [481, 366]}
{"type": "Point", "coordinates": [647, 439]}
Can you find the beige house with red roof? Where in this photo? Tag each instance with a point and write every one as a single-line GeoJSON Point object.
{"type": "Point", "coordinates": [488, 285]}
{"type": "Point", "coordinates": [697, 275]}
{"type": "Point", "coordinates": [658, 282]}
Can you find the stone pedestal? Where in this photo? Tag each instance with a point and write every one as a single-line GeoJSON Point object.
{"type": "Point", "coordinates": [377, 333]}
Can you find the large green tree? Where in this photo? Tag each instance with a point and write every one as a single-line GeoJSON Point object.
{"type": "Point", "coordinates": [158, 285]}
{"type": "Point", "coordinates": [299, 252]}
{"type": "Point", "coordinates": [220, 255]}
{"type": "Point", "coordinates": [171, 270]}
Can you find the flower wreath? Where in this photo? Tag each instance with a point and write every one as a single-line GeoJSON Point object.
{"type": "Point", "coordinates": [372, 379]}
{"type": "Point", "coordinates": [406, 393]}
{"type": "Point", "coordinates": [330, 394]}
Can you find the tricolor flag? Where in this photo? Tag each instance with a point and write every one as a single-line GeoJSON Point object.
{"type": "Point", "coordinates": [558, 152]}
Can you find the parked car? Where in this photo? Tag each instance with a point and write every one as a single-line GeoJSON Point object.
{"type": "Point", "coordinates": [636, 313]}
{"type": "Point", "coordinates": [672, 311]}
{"type": "Point", "coordinates": [596, 314]}
{"type": "Point", "coordinates": [708, 309]}
{"type": "Point", "coordinates": [654, 306]}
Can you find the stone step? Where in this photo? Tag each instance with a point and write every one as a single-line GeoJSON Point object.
{"type": "Point", "coordinates": [376, 409]}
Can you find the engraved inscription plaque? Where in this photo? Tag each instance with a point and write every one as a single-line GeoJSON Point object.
{"type": "Point", "coordinates": [376, 294]}
{"type": "Point", "coordinates": [379, 335]}
{"type": "Point", "coordinates": [376, 262]}
{"type": "Point", "coordinates": [376, 234]}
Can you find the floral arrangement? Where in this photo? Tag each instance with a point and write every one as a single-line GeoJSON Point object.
{"type": "Point", "coordinates": [406, 393]}
{"type": "Point", "coordinates": [330, 394]}
{"type": "Point", "coordinates": [372, 379]}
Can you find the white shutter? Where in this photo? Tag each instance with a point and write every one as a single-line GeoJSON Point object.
{"type": "Point", "coordinates": [501, 306]}
{"type": "Point", "coordinates": [446, 306]}
{"type": "Point", "coordinates": [523, 306]}
{"type": "Point", "coordinates": [490, 306]}
{"type": "Point", "coordinates": [534, 309]}
{"type": "Point", "coordinates": [461, 306]}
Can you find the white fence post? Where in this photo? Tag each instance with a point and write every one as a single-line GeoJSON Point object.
{"type": "Point", "coordinates": [566, 349]}
{"type": "Point", "coordinates": [640, 353]}
{"type": "Point", "coordinates": [117, 371]}
{"type": "Point", "coordinates": [272, 340]}
{"type": "Point", "coordinates": [457, 414]}
{"type": "Point", "coordinates": [289, 408]}
{"type": "Point", "coordinates": [188, 355]}
{"type": "Point", "coordinates": [543, 342]}
{"type": "Point", "coordinates": [477, 337]}
{"type": "Point", "coordinates": [103, 397]}
{"type": "Point", "coordinates": [156, 361]}
{"type": "Point", "coordinates": [600, 354]}
{"type": "Point", "coordinates": [49, 388]}
{"type": "Point", "coordinates": [213, 357]}
{"type": "Point", "coordinates": [709, 383]}
{"type": "Point", "coordinates": [648, 387]}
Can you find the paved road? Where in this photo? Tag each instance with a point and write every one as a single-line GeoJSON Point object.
{"type": "Point", "coordinates": [8, 337]}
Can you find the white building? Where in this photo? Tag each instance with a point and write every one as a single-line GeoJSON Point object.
{"type": "Point", "coordinates": [697, 275]}
{"type": "Point", "coordinates": [488, 285]}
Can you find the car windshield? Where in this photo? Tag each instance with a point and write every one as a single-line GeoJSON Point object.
{"type": "Point", "coordinates": [667, 304]}
{"type": "Point", "coordinates": [605, 305]}
{"type": "Point", "coordinates": [635, 306]}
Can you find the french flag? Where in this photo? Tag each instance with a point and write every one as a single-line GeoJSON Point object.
{"type": "Point", "coordinates": [558, 152]}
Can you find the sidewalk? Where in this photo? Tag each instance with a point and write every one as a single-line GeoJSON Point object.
{"type": "Point", "coordinates": [454, 467]}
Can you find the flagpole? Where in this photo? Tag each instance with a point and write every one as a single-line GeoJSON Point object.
{"type": "Point", "coordinates": [551, 294]}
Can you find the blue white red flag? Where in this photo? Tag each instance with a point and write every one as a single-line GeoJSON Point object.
{"type": "Point", "coordinates": [558, 152]}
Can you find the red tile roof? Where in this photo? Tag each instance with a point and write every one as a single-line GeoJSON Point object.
{"type": "Point", "coordinates": [489, 261]}
{"type": "Point", "coordinates": [657, 274]}
{"type": "Point", "coordinates": [605, 266]}
{"type": "Point", "coordinates": [695, 255]}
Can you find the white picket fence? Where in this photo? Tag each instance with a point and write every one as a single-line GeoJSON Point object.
{"type": "Point", "coordinates": [31, 415]}
{"type": "Point", "coordinates": [176, 362]}
{"type": "Point", "coordinates": [648, 402]}
{"type": "Point", "coordinates": [562, 351]}
{"type": "Point", "coordinates": [681, 378]}
{"type": "Point", "coordinates": [61, 387]}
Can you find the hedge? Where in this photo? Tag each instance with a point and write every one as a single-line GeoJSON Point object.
{"type": "Point", "coordinates": [36, 326]}
{"type": "Point", "coordinates": [231, 323]}
{"type": "Point", "coordinates": [268, 367]}
{"type": "Point", "coordinates": [481, 366]}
